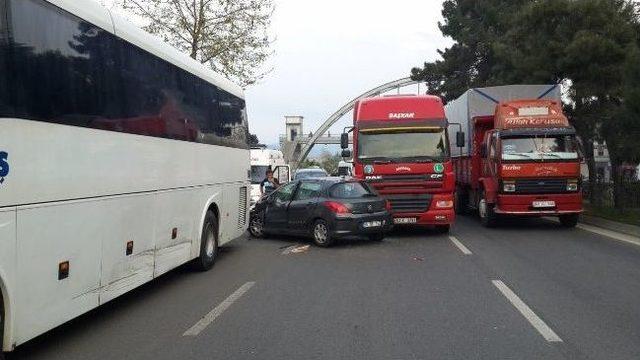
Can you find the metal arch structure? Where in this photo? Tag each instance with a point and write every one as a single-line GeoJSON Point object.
{"type": "Point", "coordinates": [348, 107]}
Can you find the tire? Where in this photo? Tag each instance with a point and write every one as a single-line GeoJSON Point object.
{"type": "Point", "coordinates": [376, 237]}
{"type": "Point", "coordinates": [256, 226]}
{"type": "Point", "coordinates": [208, 243]}
{"type": "Point", "coordinates": [569, 221]}
{"type": "Point", "coordinates": [320, 233]}
{"type": "Point", "coordinates": [443, 229]}
{"type": "Point", "coordinates": [1, 326]}
{"type": "Point", "coordinates": [488, 217]}
{"type": "Point", "coordinates": [461, 201]}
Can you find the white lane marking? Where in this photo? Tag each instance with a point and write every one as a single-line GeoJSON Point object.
{"type": "Point", "coordinates": [533, 319]}
{"type": "Point", "coordinates": [604, 232]}
{"type": "Point", "coordinates": [460, 245]}
{"type": "Point", "coordinates": [612, 234]}
{"type": "Point", "coordinates": [218, 310]}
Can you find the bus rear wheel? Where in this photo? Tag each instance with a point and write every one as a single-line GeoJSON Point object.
{"type": "Point", "coordinates": [208, 243]}
{"type": "Point", "coordinates": [1, 326]}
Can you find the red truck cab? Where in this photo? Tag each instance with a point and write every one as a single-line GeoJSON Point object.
{"type": "Point", "coordinates": [401, 148]}
{"type": "Point", "coordinates": [523, 160]}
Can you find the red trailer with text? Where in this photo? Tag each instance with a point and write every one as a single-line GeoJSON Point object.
{"type": "Point", "coordinates": [522, 157]}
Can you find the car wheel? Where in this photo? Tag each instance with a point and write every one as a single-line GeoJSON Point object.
{"type": "Point", "coordinates": [376, 237]}
{"type": "Point", "coordinates": [443, 229]}
{"type": "Point", "coordinates": [208, 243]}
{"type": "Point", "coordinates": [569, 221]}
{"type": "Point", "coordinates": [256, 226]}
{"type": "Point", "coordinates": [487, 216]}
{"type": "Point", "coordinates": [321, 234]}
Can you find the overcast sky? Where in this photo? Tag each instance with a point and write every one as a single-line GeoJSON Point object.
{"type": "Point", "coordinates": [328, 52]}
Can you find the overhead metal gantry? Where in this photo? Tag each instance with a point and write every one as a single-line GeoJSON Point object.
{"type": "Point", "coordinates": [335, 117]}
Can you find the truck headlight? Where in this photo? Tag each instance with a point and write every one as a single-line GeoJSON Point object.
{"type": "Point", "coordinates": [444, 204]}
{"type": "Point", "coordinates": [509, 186]}
{"type": "Point", "coordinates": [572, 185]}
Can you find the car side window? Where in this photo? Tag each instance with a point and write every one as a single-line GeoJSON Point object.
{"type": "Point", "coordinates": [285, 193]}
{"type": "Point", "coordinates": [308, 190]}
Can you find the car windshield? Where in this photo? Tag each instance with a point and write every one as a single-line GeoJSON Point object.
{"type": "Point", "coordinates": [563, 147]}
{"type": "Point", "coordinates": [415, 145]}
{"type": "Point", "coordinates": [350, 190]}
{"type": "Point", "coordinates": [310, 174]}
{"type": "Point", "coordinates": [258, 173]}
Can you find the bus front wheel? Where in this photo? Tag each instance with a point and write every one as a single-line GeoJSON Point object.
{"type": "Point", "coordinates": [208, 243]}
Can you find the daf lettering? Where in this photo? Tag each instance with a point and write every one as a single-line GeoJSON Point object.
{"type": "Point", "coordinates": [402, 115]}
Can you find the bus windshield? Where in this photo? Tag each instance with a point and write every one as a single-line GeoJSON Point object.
{"type": "Point", "coordinates": [403, 145]}
{"type": "Point", "coordinates": [562, 147]}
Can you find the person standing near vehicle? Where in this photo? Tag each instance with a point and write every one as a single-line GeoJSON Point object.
{"type": "Point", "coordinates": [269, 184]}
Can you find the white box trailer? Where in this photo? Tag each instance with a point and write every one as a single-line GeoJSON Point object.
{"type": "Point", "coordinates": [482, 102]}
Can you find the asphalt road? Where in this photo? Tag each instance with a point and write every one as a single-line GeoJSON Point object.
{"type": "Point", "coordinates": [529, 290]}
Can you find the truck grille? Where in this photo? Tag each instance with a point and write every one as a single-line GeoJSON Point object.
{"type": "Point", "coordinates": [541, 186]}
{"type": "Point", "coordinates": [410, 203]}
{"type": "Point", "coordinates": [406, 183]}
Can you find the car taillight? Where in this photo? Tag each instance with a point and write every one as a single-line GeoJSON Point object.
{"type": "Point", "coordinates": [336, 207]}
{"type": "Point", "coordinates": [387, 205]}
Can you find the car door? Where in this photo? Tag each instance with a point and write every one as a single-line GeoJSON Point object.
{"type": "Point", "coordinates": [275, 217]}
{"type": "Point", "coordinates": [303, 205]}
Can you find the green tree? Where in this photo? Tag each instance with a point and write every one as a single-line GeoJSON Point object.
{"type": "Point", "coordinates": [253, 140]}
{"type": "Point", "coordinates": [589, 45]}
{"type": "Point", "coordinates": [231, 36]}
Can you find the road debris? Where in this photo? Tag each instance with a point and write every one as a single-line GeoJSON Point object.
{"type": "Point", "coordinates": [417, 258]}
{"type": "Point", "coordinates": [296, 249]}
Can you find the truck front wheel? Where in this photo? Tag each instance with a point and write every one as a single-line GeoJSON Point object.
{"type": "Point", "coordinates": [569, 221]}
{"type": "Point", "coordinates": [488, 217]}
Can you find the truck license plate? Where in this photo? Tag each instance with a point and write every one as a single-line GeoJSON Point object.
{"type": "Point", "coordinates": [400, 221]}
{"type": "Point", "coordinates": [544, 204]}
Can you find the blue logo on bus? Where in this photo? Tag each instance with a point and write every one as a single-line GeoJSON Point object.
{"type": "Point", "coordinates": [4, 166]}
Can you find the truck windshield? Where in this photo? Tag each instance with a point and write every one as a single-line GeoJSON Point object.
{"type": "Point", "coordinates": [564, 147]}
{"type": "Point", "coordinates": [258, 173]}
{"type": "Point", "coordinates": [403, 146]}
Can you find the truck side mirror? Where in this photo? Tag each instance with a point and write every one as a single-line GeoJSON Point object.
{"type": "Point", "coordinates": [346, 153]}
{"type": "Point", "coordinates": [344, 141]}
{"type": "Point", "coordinates": [460, 139]}
{"type": "Point", "coordinates": [483, 151]}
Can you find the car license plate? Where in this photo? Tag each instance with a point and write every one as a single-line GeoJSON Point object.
{"type": "Point", "coordinates": [544, 204]}
{"type": "Point", "coordinates": [400, 221]}
{"type": "Point", "coordinates": [371, 224]}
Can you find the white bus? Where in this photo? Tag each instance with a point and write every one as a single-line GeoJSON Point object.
{"type": "Point", "coordinates": [120, 159]}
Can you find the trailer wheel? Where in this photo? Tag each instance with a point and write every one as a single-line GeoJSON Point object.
{"type": "Point", "coordinates": [569, 221]}
{"type": "Point", "coordinates": [461, 201]}
{"type": "Point", "coordinates": [487, 216]}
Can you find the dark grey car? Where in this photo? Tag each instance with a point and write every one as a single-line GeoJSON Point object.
{"type": "Point", "coordinates": [325, 209]}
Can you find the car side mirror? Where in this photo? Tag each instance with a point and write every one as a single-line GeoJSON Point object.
{"type": "Point", "coordinates": [460, 140]}
{"type": "Point", "coordinates": [346, 153]}
{"type": "Point", "coordinates": [483, 151]}
{"type": "Point", "coordinates": [344, 140]}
